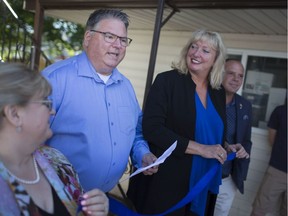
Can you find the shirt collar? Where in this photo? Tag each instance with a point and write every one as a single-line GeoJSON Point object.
{"type": "Point", "coordinates": [87, 70]}
{"type": "Point", "coordinates": [232, 103]}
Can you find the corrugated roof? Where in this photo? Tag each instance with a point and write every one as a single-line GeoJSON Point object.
{"type": "Point", "coordinates": [242, 21]}
{"type": "Point", "coordinates": [264, 17]}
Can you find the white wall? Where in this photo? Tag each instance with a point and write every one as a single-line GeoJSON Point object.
{"type": "Point", "coordinates": [135, 67]}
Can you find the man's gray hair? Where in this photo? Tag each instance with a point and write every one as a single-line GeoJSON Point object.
{"type": "Point", "coordinates": [101, 14]}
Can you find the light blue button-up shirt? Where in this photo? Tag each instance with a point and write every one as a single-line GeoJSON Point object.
{"type": "Point", "coordinates": [96, 125]}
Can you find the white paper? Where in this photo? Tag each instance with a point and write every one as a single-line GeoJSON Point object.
{"type": "Point", "coordinates": [160, 160]}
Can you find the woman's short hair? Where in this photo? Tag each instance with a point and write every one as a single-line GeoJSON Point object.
{"type": "Point", "coordinates": [18, 84]}
{"type": "Point", "coordinates": [215, 41]}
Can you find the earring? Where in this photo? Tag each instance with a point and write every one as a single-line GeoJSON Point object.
{"type": "Point", "coordinates": [18, 129]}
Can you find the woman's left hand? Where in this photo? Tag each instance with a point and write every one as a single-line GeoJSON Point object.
{"type": "Point", "coordinates": [95, 203]}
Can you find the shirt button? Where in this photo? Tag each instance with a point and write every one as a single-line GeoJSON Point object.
{"type": "Point", "coordinates": [114, 143]}
{"type": "Point", "coordinates": [112, 123]}
{"type": "Point", "coordinates": [114, 164]}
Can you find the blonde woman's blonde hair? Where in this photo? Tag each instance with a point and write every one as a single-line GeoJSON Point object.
{"type": "Point", "coordinates": [215, 41]}
{"type": "Point", "coordinates": [18, 84]}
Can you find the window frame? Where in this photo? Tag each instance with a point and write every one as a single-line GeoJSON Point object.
{"type": "Point", "coordinates": [244, 59]}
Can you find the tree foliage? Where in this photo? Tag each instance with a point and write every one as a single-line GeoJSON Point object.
{"type": "Point", "coordinates": [58, 35]}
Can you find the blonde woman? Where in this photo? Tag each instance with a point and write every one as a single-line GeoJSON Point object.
{"type": "Point", "coordinates": [186, 104]}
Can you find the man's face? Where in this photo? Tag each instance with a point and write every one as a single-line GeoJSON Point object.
{"type": "Point", "coordinates": [233, 76]}
{"type": "Point", "coordinates": [105, 56]}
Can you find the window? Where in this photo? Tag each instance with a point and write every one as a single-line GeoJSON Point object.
{"type": "Point", "coordinates": [265, 83]}
{"type": "Point", "coordinates": [265, 86]}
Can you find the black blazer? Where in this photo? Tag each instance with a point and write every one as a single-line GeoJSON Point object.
{"type": "Point", "coordinates": [243, 136]}
{"type": "Point", "coordinates": [169, 115]}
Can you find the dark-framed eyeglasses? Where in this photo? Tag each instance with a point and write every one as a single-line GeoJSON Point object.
{"type": "Point", "coordinates": [47, 103]}
{"type": "Point", "coordinates": [111, 38]}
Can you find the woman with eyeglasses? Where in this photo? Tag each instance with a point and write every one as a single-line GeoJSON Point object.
{"type": "Point", "coordinates": [35, 179]}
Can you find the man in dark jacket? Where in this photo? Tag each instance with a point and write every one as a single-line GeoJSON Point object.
{"type": "Point", "coordinates": [272, 194]}
{"type": "Point", "coordinates": [238, 138]}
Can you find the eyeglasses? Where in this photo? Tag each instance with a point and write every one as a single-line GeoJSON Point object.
{"type": "Point", "coordinates": [47, 103]}
{"type": "Point", "coordinates": [111, 38]}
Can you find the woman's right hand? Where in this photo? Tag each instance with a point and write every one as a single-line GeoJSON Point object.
{"type": "Point", "coordinates": [214, 151]}
{"type": "Point", "coordinates": [207, 151]}
{"type": "Point", "coordinates": [95, 202]}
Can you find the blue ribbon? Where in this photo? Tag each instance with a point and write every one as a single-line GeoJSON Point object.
{"type": "Point", "coordinates": [119, 209]}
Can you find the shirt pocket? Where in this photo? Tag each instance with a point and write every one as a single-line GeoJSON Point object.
{"type": "Point", "coordinates": [126, 120]}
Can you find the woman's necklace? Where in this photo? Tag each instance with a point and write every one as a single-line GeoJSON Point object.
{"type": "Point", "coordinates": [27, 181]}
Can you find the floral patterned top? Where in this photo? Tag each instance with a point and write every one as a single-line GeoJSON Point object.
{"type": "Point", "coordinates": [15, 201]}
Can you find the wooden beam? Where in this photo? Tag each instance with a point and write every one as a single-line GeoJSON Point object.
{"type": "Point", "coordinates": [38, 27]}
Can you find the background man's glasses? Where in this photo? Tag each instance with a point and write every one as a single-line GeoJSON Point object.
{"type": "Point", "coordinates": [111, 38]}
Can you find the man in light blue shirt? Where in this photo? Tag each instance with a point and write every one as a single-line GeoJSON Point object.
{"type": "Point", "coordinates": [98, 121]}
